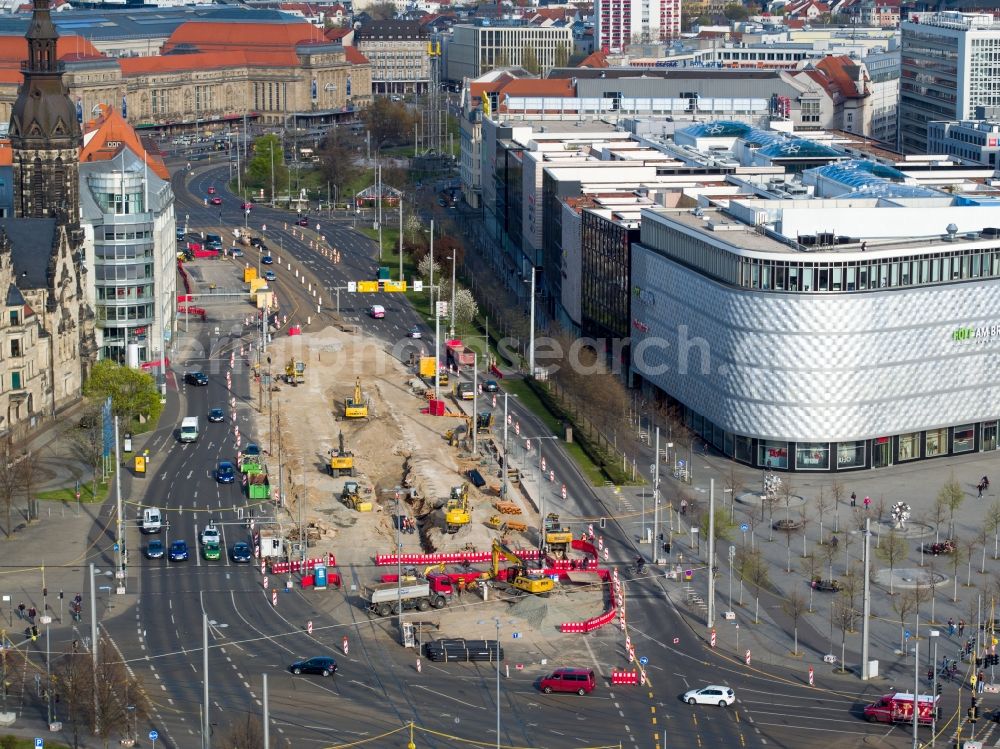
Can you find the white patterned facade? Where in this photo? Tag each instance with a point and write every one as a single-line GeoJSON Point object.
{"type": "Point", "coordinates": [873, 374]}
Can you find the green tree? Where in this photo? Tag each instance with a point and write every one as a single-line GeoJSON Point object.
{"type": "Point", "coordinates": [529, 60]}
{"type": "Point", "coordinates": [267, 167]}
{"type": "Point", "coordinates": [382, 12]}
{"type": "Point", "coordinates": [723, 525]}
{"type": "Point", "coordinates": [133, 393]}
{"type": "Point", "coordinates": [389, 122]}
{"type": "Point", "coordinates": [561, 55]}
{"type": "Point", "coordinates": [892, 549]}
{"type": "Point", "coordinates": [736, 12]}
{"type": "Point", "coordinates": [951, 496]}
{"type": "Point", "coordinates": [337, 161]}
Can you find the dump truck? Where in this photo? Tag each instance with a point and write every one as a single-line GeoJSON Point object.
{"type": "Point", "coordinates": [341, 460]}
{"type": "Point", "coordinates": [426, 366]}
{"type": "Point", "coordinates": [356, 407]}
{"type": "Point", "coordinates": [258, 486]}
{"type": "Point", "coordinates": [457, 511]}
{"type": "Point", "coordinates": [462, 355]}
{"type": "Point", "coordinates": [484, 422]}
{"type": "Point", "coordinates": [295, 372]}
{"type": "Point", "coordinates": [898, 708]}
{"type": "Point", "coordinates": [351, 496]}
{"type": "Point", "coordinates": [384, 599]}
{"type": "Point", "coordinates": [557, 537]}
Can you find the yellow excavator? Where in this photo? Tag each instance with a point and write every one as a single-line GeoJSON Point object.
{"type": "Point", "coordinates": [295, 372]}
{"type": "Point", "coordinates": [356, 407]}
{"type": "Point", "coordinates": [521, 582]}
{"type": "Point", "coordinates": [557, 538]}
{"type": "Point", "coordinates": [341, 460]}
{"type": "Point", "coordinates": [457, 512]}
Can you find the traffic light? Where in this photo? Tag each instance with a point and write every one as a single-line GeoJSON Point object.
{"type": "Point", "coordinates": [604, 522]}
{"type": "Point", "coordinates": [979, 662]}
{"type": "Point", "coordinates": [973, 714]}
{"type": "Point", "coordinates": [939, 688]}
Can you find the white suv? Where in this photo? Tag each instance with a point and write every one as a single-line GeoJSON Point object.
{"type": "Point", "coordinates": [210, 534]}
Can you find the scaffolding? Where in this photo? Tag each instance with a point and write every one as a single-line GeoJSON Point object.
{"type": "Point", "coordinates": [433, 118]}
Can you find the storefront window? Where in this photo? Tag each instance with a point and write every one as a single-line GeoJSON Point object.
{"type": "Point", "coordinates": [743, 449]}
{"type": "Point", "coordinates": [850, 455]}
{"type": "Point", "coordinates": [812, 456]}
{"type": "Point", "coordinates": [964, 438]}
{"type": "Point", "coordinates": [728, 445]}
{"type": "Point", "coordinates": [937, 442]}
{"type": "Point", "coordinates": [772, 454]}
{"type": "Point", "coordinates": [909, 446]}
{"type": "Point", "coordinates": [989, 435]}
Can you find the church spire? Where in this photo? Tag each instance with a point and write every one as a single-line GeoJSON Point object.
{"type": "Point", "coordinates": [44, 131]}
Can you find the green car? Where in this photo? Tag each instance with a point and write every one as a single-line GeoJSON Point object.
{"type": "Point", "coordinates": [211, 551]}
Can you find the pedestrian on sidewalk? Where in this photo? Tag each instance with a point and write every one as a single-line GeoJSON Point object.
{"type": "Point", "coordinates": [961, 627]}
{"type": "Point", "coordinates": [20, 610]}
{"type": "Point", "coordinates": [684, 507]}
{"type": "Point", "coordinates": [980, 487]}
{"type": "Point", "coordinates": [868, 503]}
{"type": "Point", "coordinates": [981, 683]}
{"type": "Point", "coordinates": [951, 626]}
{"type": "Point", "coordinates": [32, 613]}
{"type": "Point", "coordinates": [854, 499]}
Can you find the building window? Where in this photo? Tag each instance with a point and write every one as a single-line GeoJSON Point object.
{"type": "Point", "coordinates": [909, 446]}
{"type": "Point", "coordinates": [772, 454]}
{"type": "Point", "coordinates": [812, 456]}
{"type": "Point", "coordinates": [15, 380]}
{"type": "Point", "coordinates": [15, 317]}
{"type": "Point", "coordinates": [964, 438]}
{"type": "Point", "coordinates": [937, 442]}
{"type": "Point", "coordinates": [851, 454]}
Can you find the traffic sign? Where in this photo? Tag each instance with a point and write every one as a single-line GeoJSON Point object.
{"type": "Point", "coordinates": [516, 635]}
{"type": "Point", "coordinates": [39, 743]}
{"type": "Point", "coordinates": [906, 635]}
{"type": "Point", "coordinates": [744, 527]}
{"type": "Point", "coordinates": [153, 735]}
{"type": "Point", "coordinates": [732, 552]}
{"type": "Point", "coordinates": [677, 641]}
{"type": "Point", "coordinates": [643, 661]}
{"type": "Point", "coordinates": [309, 626]}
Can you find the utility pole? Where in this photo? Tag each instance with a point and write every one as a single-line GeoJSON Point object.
{"type": "Point", "coordinates": [452, 328]}
{"type": "Point", "coordinates": [656, 495]}
{"type": "Point", "coordinates": [916, 688]}
{"type": "Point", "coordinates": [119, 549]}
{"type": "Point", "coordinates": [267, 716]}
{"type": "Point", "coordinates": [506, 461]}
{"type": "Point", "coordinates": [531, 328]}
{"type": "Point", "coordinates": [206, 730]}
{"type": "Point", "coordinates": [866, 606]}
{"type": "Point", "coordinates": [93, 644]}
{"type": "Point", "coordinates": [400, 237]}
{"type": "Point", "coordinates": [437, 353]}
{"type": "Point", "coordinates": [711, 552]}
{"type": "Point", "coordinates": [475, 405]}
{"type": "Point", "coordinates": [431, 282]}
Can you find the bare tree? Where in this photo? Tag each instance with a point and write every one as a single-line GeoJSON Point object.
{"type": "Point", "coordinates": [892, 552]}
{"type": "Point", "coordinates": [993, 525]}
{"type": "Point", "coordinates": [246, 733]}
{"type": "Point", "coordinates": [837, 490]}
{"type": "Point", "coordinates": [117, 690]}
{"type": "Point", "coordinates": [74, 687]}
{"type": "Point", "coordinates": [903, 605]}
{"type": "Point", "coordinates": [952, 495]}
{"type": "Point", "coordinates": [842, 614]}
{"type": "Point", "coordinates": [9, 482]}
{"type": "Point", "coordinates": [956, 561]}
{"type": "Point", "coordinates": [753, 569]}
{"type": "Point", "coordinates": [852, 587]}
{"type": "Point", "coordinates": [822, 505]}
{"type": "Point", "coordinates": [88, 441]}
{"type": "Point", "coordinates": [969, 546]}
{"type": "Point", "coordinates": [809, 565]}
{"type": "Point", "coordinates": [983, 538]}
{"type": "Point", "coordinates": [939, 510]}
{"type": "Point", "coordinates": [794, 606]}
{"type": "Point", "coordinates": [829, 552]}
{"type": "Point", "coordinates": [28, 473]}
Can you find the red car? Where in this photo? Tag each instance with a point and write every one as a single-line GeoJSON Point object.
{"type": "Point", "coordinates": [216, 200]}
{"type": "Point", "coordinates": [211, 191]}
{"type": "Point", "coordinates": [246, 206]}
{"type": "Point", "coordinates": [302, 221]}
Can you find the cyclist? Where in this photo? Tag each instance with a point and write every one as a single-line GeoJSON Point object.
{"type": "Point", "coordinates": [640, 563]}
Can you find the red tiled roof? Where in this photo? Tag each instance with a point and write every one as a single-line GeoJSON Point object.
{"type": "Point", "coordinates": [336, 34]}
{"type": "Point", "coordinates": [354, 56]}
{"type": "Point", "coordinates": [207, 36]}
{"type": "Point", "coordinates": [109, 128]}
{"type": "Point", "coordinates": [15, 49]}
{"type": "Point", "coordinates": [538, 87]}
{"type": "Point", "coordinates": [6, 152]}
{"type": "Point", "coordinates": [595, 60]}
{"type": "Point", "coordinates": [842, 73]}
{"type": "Point", "coordinates": [207, 61]}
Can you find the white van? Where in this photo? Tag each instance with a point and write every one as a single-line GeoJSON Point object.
{"type": "Point", "coordinates": [189, 429]}
{"type": "Point", "coordinates": [151, 520]}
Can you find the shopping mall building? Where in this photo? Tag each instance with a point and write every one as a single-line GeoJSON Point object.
{"type": "Point", "coordinates": [825, 334]}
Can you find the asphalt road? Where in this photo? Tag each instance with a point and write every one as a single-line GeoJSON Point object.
{"type": "Point", "coordinates": [377, 688]}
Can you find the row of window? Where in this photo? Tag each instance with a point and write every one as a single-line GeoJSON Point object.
{"type": "Point", "coordinates": [121, 203]}
{"type": "Point", "coordinates": [107, 253]}
{"type": "Point", "coordinates": [115, 234]}
{"type": "Point", "coordinates": [134, 312]}
{"type": "Point", "coordinates": [124, 272]}
{"type": "Point", "coordinates": [124, 293]}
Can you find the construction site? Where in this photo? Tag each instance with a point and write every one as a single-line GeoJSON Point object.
{"type": "Point", "coordinates": [370, 459]}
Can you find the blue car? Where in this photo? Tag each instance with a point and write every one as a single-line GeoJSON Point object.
{"type": "Point", "coordinates": [216, 415]}
{"type": "Point", "coordinates": [179, 551]}
{"type": "Point", "coordinates": [240, 553]}
{"type": "Point", "coordinates": [225, 473]}
{"type": "Point", "coordinates": [267, 260]}
{"type": "Point", "coordinates": [253, 450]}
{"type": "Point", "coordinates": [269, 275]}
{"type": "Point", "coordinates": [154, 549]}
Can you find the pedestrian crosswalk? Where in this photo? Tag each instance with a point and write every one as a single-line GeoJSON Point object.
{"type": "Point", "coordinates": [694, 599]}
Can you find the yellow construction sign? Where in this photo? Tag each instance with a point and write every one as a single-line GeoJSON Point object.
{"type": "Point", "coordinates": [393, 285]}
{"type": "Point", "coordinates": [367, 287]}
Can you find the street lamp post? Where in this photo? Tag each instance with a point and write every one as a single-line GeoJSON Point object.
{"type": "Point", "coordinates": [399, 565]}
{"type": "Point", "coordinates": [531, 327]}
{"type": "Point", "coordinates": [496, 621]}
{"type": "Point", "coordinates": [541, 497]}
{"type": "Point", "coordinates": [451, 329]}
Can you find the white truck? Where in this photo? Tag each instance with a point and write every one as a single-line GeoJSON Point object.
{"type": "Point", "coordinates": [152, 521]}
{"type": "Point", "coordinates": [384, 598]}
{"type": "Point", "coordinates": [189, 429]}
{"type": "Point", "coordinates": [271, 544]}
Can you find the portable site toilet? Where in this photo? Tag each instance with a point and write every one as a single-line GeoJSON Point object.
{"type": "Point", "coordinates": [320, 577]}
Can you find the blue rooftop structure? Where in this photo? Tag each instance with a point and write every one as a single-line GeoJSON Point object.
{"type": "Point", "coordinates": [717, 129]}
{"type": "Point", "coordinates": [862, 178]}
{"type": "Point", "coordinates": [798, 148]}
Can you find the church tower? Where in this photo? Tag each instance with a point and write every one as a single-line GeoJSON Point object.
{"type": "Point", "coordinates": [44, 132]}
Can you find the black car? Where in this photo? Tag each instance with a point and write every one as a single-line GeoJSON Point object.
{"type": "Point", "coordinates": [195, 378]}
{"type": "Point", "coordinates": [323, 665]}
{"type": "Point", "coordinates": [490, 386]}
{"type": "Point", "coordinates": [240, 552]}
{"type": "Point", "coordinates": [154, 549]}
{"type": "Point", "coordinates": [267, 259]}
{"type": "Point", "coordinates": [216, 415]}
{"type": "Point", "coordinates": [252, 450]}
{"type": "Point", "coordinates": [304, 221]}
{"type": "Point", "coordinates": [256, 242]}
